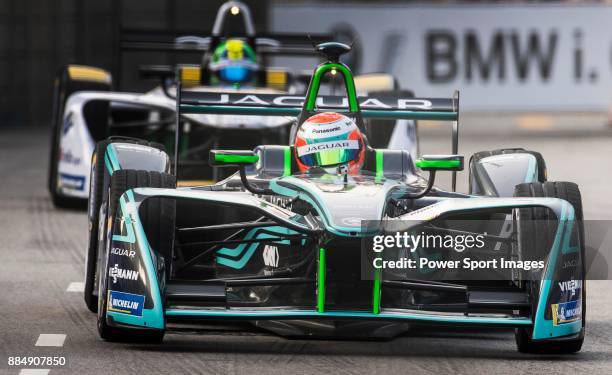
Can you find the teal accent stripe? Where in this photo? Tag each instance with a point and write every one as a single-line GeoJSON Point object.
{"type": "Point", "coordinates": [151, 318]}
{"type": "Point", "coordinates": [531, 175]}
{"type": "Point", "coordinates": [409, 115]}
{"type": "Point", "coordinates": [246, 256]}
{"type": "Point", "coordinates": [294, 112]}
{"type": "Point", "coordinates": [127, 222]}
{"type": "Point", "coordinates": [111, 160]}
{"type": "Point", "coordinates": [545, 329]}
{"type": "Point", "coordinates": [254, 314]}
{"type": "Point", "coordinates": [240, 110]}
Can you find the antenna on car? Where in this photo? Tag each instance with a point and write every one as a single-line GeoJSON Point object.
{"type": "Point", "coordinates": [314, 45]}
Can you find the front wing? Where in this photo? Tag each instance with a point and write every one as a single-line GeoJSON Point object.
{"type": "Point", "coordinates": [142, 277]}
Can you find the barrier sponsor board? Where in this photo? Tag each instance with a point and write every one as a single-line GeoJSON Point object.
{"type": "Point", "coordinates": [501, 57]}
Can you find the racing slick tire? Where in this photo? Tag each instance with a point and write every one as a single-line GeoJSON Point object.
{"type": "Point", "coordinates": [71, 79]}
{"type": "Point", "coordinates": [537, 234]}
{"type": "Point", "coordinates": [157, 217]}
{"type": "Point", "coordinates": [98, 182]}
{"type": "Point", "coordinates": [484, 154]}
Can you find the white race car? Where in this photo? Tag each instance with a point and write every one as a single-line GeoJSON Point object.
{"type": "Point", "coordinates": [87, 110]}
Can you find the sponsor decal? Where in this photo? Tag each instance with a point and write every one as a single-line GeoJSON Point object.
{"type": "Point", "coordinates": [321, 101]}
{"type": "Point", "coordinates": [328, 146]}
{"type": "Point", "coordinates": [71, 181]}
{"type": "Point", "coordinates": [123, 252]}
{"type": "Point", "coordinates": [67, 157]}
{"type": "Point", "coordinates": [67, 123]}
{"type": "Point", "coordinates": [570, 263]}
{"type": "Point", "coordinates": [325, 131]}
{"type": "Point", "coordinates": [566, 312]}
{"type": "Point", "coordinates": [125, 303]}
{"type": "Point", "coordinates": [270, 256]}
{"type": "Point", "coordinates": [571, 288]}
{"type": "Point", "coordinates": [120, 273]}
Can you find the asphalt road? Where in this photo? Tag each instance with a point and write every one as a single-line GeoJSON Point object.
{"type": "Point", "coordinates": [42, 254]}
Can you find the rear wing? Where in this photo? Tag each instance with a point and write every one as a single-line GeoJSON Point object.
{"type": "Point", "coordinates": [359, 107]}
{"type": "Point", "coordinates": [254, 104]}
{"type": "Point", "coordinates": [151, 40]}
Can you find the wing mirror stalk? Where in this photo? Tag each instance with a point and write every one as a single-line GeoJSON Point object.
{"type": "Point", "coordinates": [432, 164]}
{"type": "Point", "coordinates": [240, 159]}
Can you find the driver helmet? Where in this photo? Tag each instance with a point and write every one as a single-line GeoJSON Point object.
{"type": "Point", "coordinates": [329, 139]}
{"type": "Point", "coordinates": [234, 62]}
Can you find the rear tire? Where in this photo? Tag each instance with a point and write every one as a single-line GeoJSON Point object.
{"type": "Point", "coordinates": [158, 218]}
{"type": "Point", "coordinates": [537, 228]}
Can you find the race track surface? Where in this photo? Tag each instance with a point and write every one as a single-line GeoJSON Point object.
{"type": "Point", "coordinates": [42, 251]}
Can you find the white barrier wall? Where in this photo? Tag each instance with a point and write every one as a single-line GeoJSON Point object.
{"type": "Point", "coordinates": [501, 57]}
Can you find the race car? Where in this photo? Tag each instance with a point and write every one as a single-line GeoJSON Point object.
{"type": "Point", "coordinates": [87, 110]}
{"type": "Point", "coordinates": [283, 244]}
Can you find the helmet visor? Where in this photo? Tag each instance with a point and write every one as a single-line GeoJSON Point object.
{"type": "Point", "coordinates": [329, 153]}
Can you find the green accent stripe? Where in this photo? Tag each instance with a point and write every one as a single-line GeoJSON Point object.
{"type": "Point", "coordinates": [321, 282]}
{"type": "Point", "coordinates": [228, 158]}
{"type": "Point", "coordinates": [287, 169]}
{"type": "Point", "coordinates": [313, 90]}
{"type": "Point", "coordinates": [380, 169]}
{"type": "Point", "coordinates": [376, 294]}
{"type": "Point", "coordinates": [422, 163]}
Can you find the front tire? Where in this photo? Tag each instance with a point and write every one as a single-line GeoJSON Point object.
{"type": "Point", "coordinates": [536, 234]}
{"type": "Point", "coordinates": [99, 181]}
{"type": "Point", "coordinates": [158, 217]}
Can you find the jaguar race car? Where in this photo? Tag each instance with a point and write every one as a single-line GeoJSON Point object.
{"type": "Point", "coordinates": [280, 243]}
{"type": "Point", "coordinates": [87, 110]}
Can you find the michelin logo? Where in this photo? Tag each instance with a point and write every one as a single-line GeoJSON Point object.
{"type": "Point", "coordinates": [125, 303]}
{"type": "Point", "coordinates": [119, 273]}
{"type": "Point", "coordinates": [566, 312]}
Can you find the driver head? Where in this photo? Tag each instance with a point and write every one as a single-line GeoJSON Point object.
{"type": "Point", "coordinates": [234, 62]}
{"type": "Point", "coordinates": [331, 141]}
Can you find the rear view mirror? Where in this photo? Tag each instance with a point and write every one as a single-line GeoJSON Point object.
{"type": "Point", "coordinates": [440, 163]}
{"type": "Point", "coordinates": [232, 158]}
